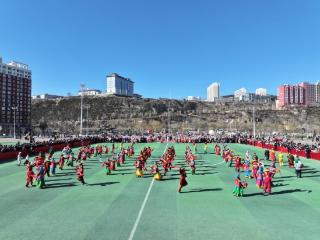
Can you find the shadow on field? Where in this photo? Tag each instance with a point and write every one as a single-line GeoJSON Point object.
{"type": "Point", "coordinates": [291, 191]}
{"type": "Point", "coordinates": [146, 175]}
{"type": "Point", "coordinates": [306, 176]}
{"type": "Point", "coordinates": [207, 173]}
{"type": "Point", "coordinates": [168, 179]}
{"type": "Point", "coordinates": [279, 180]}
{"type": "Point", "coordinates": [8, 160]}
{"type": "Point", "coordinates": [60, 185]}
{"type": "Point", "coordinates": [308, 167]}
{"type": "Point", "coordinates": [122, 170]}
{"type": "Point", "coordinates": [57, 179]}
{"type": "Point", "coordinates": [280, 185]}
{"type": "Point", "coordinates": [310, 171]}
{"type": "Point", "coordinates": [173, 174]}
{"type": "Point", "coordinates": [277, 193]}
{"type": "Point", "coordinates": [253, 194]}
{"type": "Point", "coordinates": [204, 190]}
{"type": "Point", "coordinates": [102, 184]}
{"type": "Point", "coordinates": [287, 176]}
{"type": "Point", "coordinates": [205, 170]}
{"type": "Point", "coordinates": [65, 171]}
{"type": "Point", "coordinates": [65, 174]}
{"type": "Point", "coordinates": [122, 173]}
{"type": "Point", "coordinates": [206, 166]}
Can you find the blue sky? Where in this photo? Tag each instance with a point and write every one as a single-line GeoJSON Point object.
{"type": "Point", "coordinates": [176, 46]}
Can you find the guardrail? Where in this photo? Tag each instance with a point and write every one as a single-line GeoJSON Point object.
{"type": "Point", "coordinates": [300, 153]}
{"type": "Point", "coordinates": [45, 149]}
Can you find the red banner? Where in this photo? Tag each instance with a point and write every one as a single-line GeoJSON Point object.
{"type": "Point", "coordinates": [56, 147]}
{"type": "Point", "coordinates": [300, 153]}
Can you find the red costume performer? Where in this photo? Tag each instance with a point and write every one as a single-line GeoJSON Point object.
{"type": "Point", "coordinates": [107, 164]}
{"type": "Point", "coordinates": [39, 161]}
{"type": "Point", "coordinates": [273, 156]}
{"type": "Point", "coordinates": [218, 149]}
{"type": "Point", "coordinates": [47, 168]}
{"type": "Point", "coordinates": [113, 148]}
{"type": "Point", "coordinates": [183, 181]}
{"type": "Point", "coordinates": [80, 173]}
{"type": "Point", "coordinates": [84, 156]}
{"type": "Point", "coordinates": [30, 175]}
{"type": "Point", "coordinates": [267, 182]}
{"type": "Point", "coordinates": [238, 164]}
{"type": "Point", "coordinates": [106, 150]}
{"type": "Point", "coordinates": [113, 165]}
{"type": "Point", "coordinates": [61, 162]}
{"type": "Point", "coordinates": [190, 159]}
{"type": "Point", "coordinates": [255, 167]}
{"type": "Point", "coordinates": [79, 156]}
{"type": "Point", "coordinates": [229, 157]}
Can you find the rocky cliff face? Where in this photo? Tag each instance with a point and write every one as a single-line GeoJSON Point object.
{"type": "Point", "coordinates": [136, 114]}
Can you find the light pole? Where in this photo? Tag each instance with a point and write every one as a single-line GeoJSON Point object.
{"type": "Point", "coordinates": [169, 120]}
{"type": "Point", "coordinates": [81, 105]}
{"type": "Point", "coordinates": [254, 123]}
{"type": "Point", "coordinates": [87, 107]}
{"type": "Point", "coordinates": [169, 115]}
{"type": "Point", "coordinates": [14, 121]}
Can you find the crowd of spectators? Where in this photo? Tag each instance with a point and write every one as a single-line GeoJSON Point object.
{"type": "Point", "coordinates": [31, 146]}
{"type": "Point", "coordinates": [290, 145]}
{"type": "Point", "coordinates": [241, 138]}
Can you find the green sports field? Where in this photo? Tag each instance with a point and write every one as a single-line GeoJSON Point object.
{"type": "Point", "coordinates": [121, 206]}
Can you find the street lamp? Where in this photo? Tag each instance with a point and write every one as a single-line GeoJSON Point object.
{"type": "Point", "coordinates": [82, 87]}
{"type": "Point", "coordinates": [254, 121]}
{"type": "Point", "coordinates": [169, 115]}
{"type": "Point", "coordinates": [87, 125]}
{"type": "Point", "coordinates": [14, 121]}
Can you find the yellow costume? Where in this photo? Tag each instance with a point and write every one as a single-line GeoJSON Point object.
{"type": "Point", "coordinates": [157, 176]}
{"type": "Point", "coordinates": [205, 148]}
{"type": "Point", "coordinates": [280, 159]}
{"type": "Point", "coordinates": [139, 173]}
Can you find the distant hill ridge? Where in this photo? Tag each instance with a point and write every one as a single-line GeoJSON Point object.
{"type": "Point", "coordinates": [131, 113]}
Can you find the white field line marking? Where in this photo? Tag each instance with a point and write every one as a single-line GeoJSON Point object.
{"type": "Point", "coordinates": [143, 206]}
{"type": "Point", "coordinates": [203, 159]}
{"type": "Point", "coordinates": [218, 163]}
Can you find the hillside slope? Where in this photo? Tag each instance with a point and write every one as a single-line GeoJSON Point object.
{"type": "Point", "coordinates": [63, 115]}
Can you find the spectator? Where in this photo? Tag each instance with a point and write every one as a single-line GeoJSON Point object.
{"type": "Point", "coordinates": [298, 166]}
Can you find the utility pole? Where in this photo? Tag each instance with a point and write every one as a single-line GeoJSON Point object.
{"type": "Point", "coordinates": [81, 106]}
{"type": "Point", "coordinates": [254, 122]}
{"type": "Point", "coordinates": [87, 107]}
{"type": "Point", "coordinates": [14, 121]}
{"type": "Point", "coordinates": [169, 119]}
{"type": "Point", "coordinates": [169, 115]}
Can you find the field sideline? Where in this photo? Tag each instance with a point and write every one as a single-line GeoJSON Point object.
{"type": "Point", "coordinates": [109, 206]}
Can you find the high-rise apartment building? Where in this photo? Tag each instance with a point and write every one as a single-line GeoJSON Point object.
{"type": "Point", "coordinates": [193, 98]}
{"type": "Point", "coordinates": [310, 93]}
{"type": "Point", "coordinates": [261, 91]}
{"type": "Point", "coordinates": [89, 92]}
{"type": "Point", "coordinates": [213, 91]}
{"type": "Point", "coordinates": [117, 84]}
{"type": "Point", "coordinates": [240, 92]}
{"type": "Point", "coordinates": [305, 94]}
{"type": "Point", "coordinates": [15, 97]}
{"type": "Point", "coordinates": [317, 91]}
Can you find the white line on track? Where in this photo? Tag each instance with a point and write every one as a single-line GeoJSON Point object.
{"type": "Point", "coordinates": [218, 163]}
{"type": "Point", "coordinates": [136, 223]}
